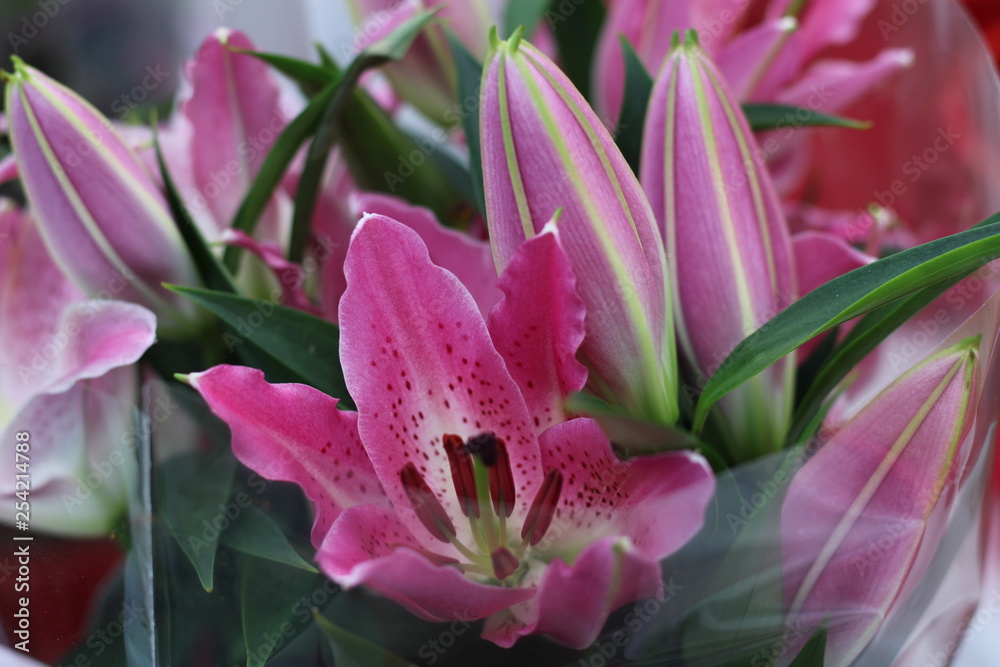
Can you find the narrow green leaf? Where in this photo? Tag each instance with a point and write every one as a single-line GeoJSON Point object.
{"type": "Point", "coordinates": [470, 76]}
{"type": "Point", "coordinates": [310, 77]}
{"type": "Point", "coordinates": [525, 13]}
{"type": "Point", "coordinates": [777, 116]}
{"type": "Point", "coordinates": [275, 607]}
{"type": "Point", "coordinates": [317, 118]}
{"type": "Point", "coordinates": [303, 344]}
{"type": "Point", "coordinates": [275, 164]}
{"type": "Point", "coordinates": [392, 47]}
{"type": "Point", "coordinates": [351, 650]}
{"type": "Point", "coordinates": [861, 341]}
{"type": "Point", "coordinates": [577, 27]}
{"type": "Point", "coordinates": [256, 534]}
{"type": "Point", "coordinates": [383, 158]}
{"type": "Point", "coordinates": [191, 491]}
{"type": "Point", "coordinates": [210, 269]}
{"type": "Point", "coordinates": [310, 181]}
{"type": "Point", "coordinates": [856, 293]}
{"type": "Point", "coordinates": [325, 59]}
{"type": "Point", "coordinates": [632, 119]}
{"type": "Point", "coordinates": [813, 654]}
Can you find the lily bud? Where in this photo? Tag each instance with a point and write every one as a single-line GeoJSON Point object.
{"type": "Point", "coordinates": [727, 243]}
{"type": "Point", "coordinates": [545, 151]}
{"type": "Point", "coordinates": [853, 547]}
{"type": "Point", "coordinates": [427, 77]}
{"type": "Point", "coordinates": [101, 214]}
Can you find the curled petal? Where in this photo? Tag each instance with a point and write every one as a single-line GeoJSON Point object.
{"type": "Point", "coordinates": [293, 433]}
{"type": "Point", "coordinates": [539, 326]}
{"type": "Point", "coordinates": [573, 601]}
{"type": "Point", "coordinates": [468, 258]}
{"type": "Point", "coordinates": [369, 545]}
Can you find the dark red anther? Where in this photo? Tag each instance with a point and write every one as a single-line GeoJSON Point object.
{"type": "Point", "coordinates": [543, 508]}
{"type": "Point", "coordinates": [425, 504]}
{"type": "Point", "coordinates": [504, 563]}
{"type": "Point", "coordinates": [462, 473]}
{"type": "Point", "coordinates": [502, 481]}
{"type": "Point", "coordinates": [484, 446]}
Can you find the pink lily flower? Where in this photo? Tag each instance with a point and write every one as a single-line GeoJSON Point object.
{"type": "Point", "coordinates": [65, 380]}
{"type": "Point", "coordinates": [852, 550]}
{"type": "Point", "coordinates": [457, 489]}
{"type": "Point", "coordinates": [725, 236]}
{"type": "Point", "coordinates": [545, 151]}
{"type": "Point", "coordinates": [102, 216]}
{"type": "Point", "coordinates": [774, 60]}
{"type": "Point", "coordinates": [427, 77]}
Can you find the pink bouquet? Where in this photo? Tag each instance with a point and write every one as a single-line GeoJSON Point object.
{"type": "Point", "coordinates": [667, 337]}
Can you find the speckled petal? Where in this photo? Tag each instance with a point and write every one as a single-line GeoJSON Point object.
{"type": "Point", "coordinates": [369, 545]}
{"type": "Point", "coordinates": [294, 433]}
{"type": "Point", "coordinates": [419, 364]}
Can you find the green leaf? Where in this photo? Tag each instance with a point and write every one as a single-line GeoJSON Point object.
{"type": "Point", "coordinates": [210, 269]}
{"type": "Point", "coordinates": [859, 343]}
{"type": "Point", "coordinates": [301, 344]}
{"type": "Point", "coordinates": [392, 47]}
{"type": "Point", "coordinates": [777, 116]}
{"type": "Point", "coordinates": [256, 534]}
{"type": "Point", "coordinates": [275, 164]}
{"type": "Point", "coordinates": [191, 491]}
{"type": "Point", "coordinates": [351, 650]}
{"type": "Point", "coordinates": [525, 13]}
{"type": "Point", "coordinates": [383, 158]}
{"type": "Point", "coordinates": [275, 603]}
{"type": "Point", "coordinates": [577, 27]}
{"type": "Point", "coordinates": [310, 77]}
{"type": "Point", "coordinates": [632, 119]}
{"type": "Point", "coordinates": [311, 179]}
{"type": "Point", "coordinates": [325, 59]}
{"type": "Point", "coordinates": [470, 76]}
{"type": "Point", "coordinates": [856, 293]}
{"type": "Point", "coordinates": [317, 118]}
{"type": "Point", "coordinates": [813, 654]}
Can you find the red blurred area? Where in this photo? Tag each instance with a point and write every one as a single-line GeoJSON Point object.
{"type": "Point", "coordinates": [987, 15]}
{"type": "Point", "coordinates": [64, 578]}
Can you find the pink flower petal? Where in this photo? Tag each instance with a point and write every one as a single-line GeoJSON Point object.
{"type": "Point", "coordinates": [750, 58]}
{"type": "Point", "coordinates": [573, 601]}
{"type": "Point", "coordinates": [294, 433]}
{"type": "Point", "coordinates": [471, 260]}
{"type": "Point", "coordinates": [289, 275]}
{"type": "Point", "coordinates": [369, 545]}
{"type": "Point", "coordinates": [538, 327]}
{"type": "Point", "coordinates": [820, 257]}
{"type": "Point", "coordinates": [826, 22]}
{"type": "Point", "coordinates": [82, 459]}
{"type": "Point", "coordinates": [235, 113]}
{"type": "Point", "coordinates": [656, 501]}
{"type": "Point", "coordinates": [832, 85]}
{"type": "Point", "coordinates": [50, 337]}
{"type": "Point", "coordinates": [419, 363]}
